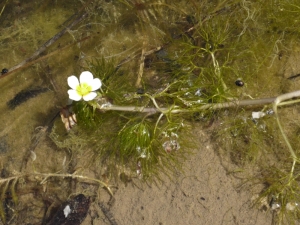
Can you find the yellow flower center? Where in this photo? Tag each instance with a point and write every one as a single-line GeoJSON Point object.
{"type": "Point", "coordinates": [83, 89]}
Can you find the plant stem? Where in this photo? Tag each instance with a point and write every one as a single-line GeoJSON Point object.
{"type": "Point", "coordinates": [174, 109]}
{"type": "Point", "coordinates": [277, 101]}
{"type": "Point", "coordinates": [47, 175]}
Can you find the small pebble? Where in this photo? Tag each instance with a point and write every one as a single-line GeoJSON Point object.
{"type": "Point", "coordinates": [239, 83]}
{"type": "Point", "coordinates": [4, 71]}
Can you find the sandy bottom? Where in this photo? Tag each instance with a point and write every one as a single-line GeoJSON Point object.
{"type": "Point", "coordinates": [205, 194]}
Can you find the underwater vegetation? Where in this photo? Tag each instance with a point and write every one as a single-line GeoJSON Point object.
{"type": "Point", "coordinates": [142, 74]}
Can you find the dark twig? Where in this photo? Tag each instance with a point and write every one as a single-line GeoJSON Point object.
{"type": "Point", "coordinates": [46, 45]}
{"type": "Point", "coordinates": [48, 55]}
{"type": "Point", "coordinates": [107, 214]}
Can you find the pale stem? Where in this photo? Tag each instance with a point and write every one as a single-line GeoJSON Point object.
{"type": "Point", "coordinates": [47, 175]}
{"type": "Point", "coordinates": [142, 64]}
{"type": "Point", "coordinates": [277, 101]}
{"type": "Point", "coordinates": [174, 109]}
{"type": "Point", "coordinates": [217, 70]}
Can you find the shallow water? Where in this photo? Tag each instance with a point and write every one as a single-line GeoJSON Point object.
{"type": "Point", "coordinates": [248, 39]}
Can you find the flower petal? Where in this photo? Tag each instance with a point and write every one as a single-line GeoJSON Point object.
{"type": "Point", "coordinates": [86, 77]}
{"type": "Point", "coordinates": [74, 95]}
{"type": "Point", "coordinates": [73, 82]}
{"type": "Point", "coordinates": [96, 84]}
{"type": "Point", "coordinates": [90, 96]}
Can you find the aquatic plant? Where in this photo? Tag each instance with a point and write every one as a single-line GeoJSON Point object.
{"type": "Point", "coordinates": [162, 66]}
{"type": "Point", "coordinates": [85, 88]}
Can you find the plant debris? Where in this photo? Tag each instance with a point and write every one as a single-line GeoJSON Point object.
{"type": "Point", "coordinates": [24, 95]}
{"type": "Point", "coordinates": [71, 212]}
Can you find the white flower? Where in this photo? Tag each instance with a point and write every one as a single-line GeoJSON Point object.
{"type": "Point", "coordinates": [85, 88]}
